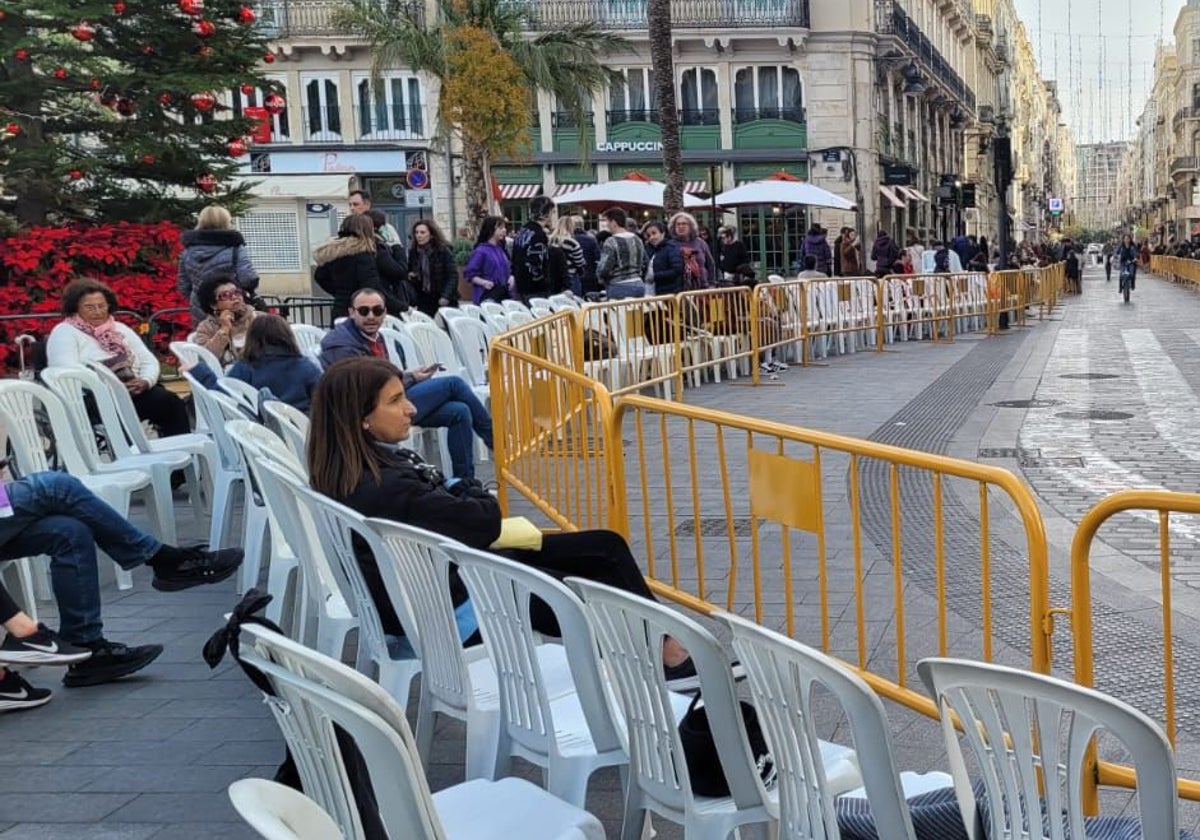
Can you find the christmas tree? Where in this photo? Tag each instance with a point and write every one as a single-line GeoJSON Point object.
{"type": "Point", "coordinates": [124, 110]}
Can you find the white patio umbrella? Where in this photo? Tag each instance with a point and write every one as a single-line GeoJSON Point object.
{"type": "Point", "coordinates": [635, 191]}
{"type": "Point", "coordinates": [782, 191]}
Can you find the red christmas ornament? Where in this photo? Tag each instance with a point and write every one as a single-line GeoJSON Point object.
{"type": "Point", "coordinates": [165, 99]}
{"type": "Point", "coordinates": [246, 15]}
{"type": "Point", "coordinates": [149, 160]}
{"type": "Point", "coordinates": [204, 101]}
{"type": "Point", "coordinates": [236, 147]}
{"type": "Point", "coordinates": [108, 99]}
{"type": "Point", "coordinates": [60, 73]}
{"type": "Point", "coordinates": [248, 89]}
{"type": "Point", "coordinates": [191, 7]}
{"type": "Point", "coordinates": [147, 49]}
{"type": "Point", "coordinates": [204, 28]}
{"type": "Point", "coordinates": [75, 174]}
{"type": "Point", "coordinates": [12, 129]}
{"type": "Point", "coordinates": [3, 16]}
{"type": "Point", "coordinates": [95, 84]}
{"type": "Point", "coordinates": [83, 31]}
{"type": "Point", "coordinates": [126, 107]}
{"type": "Point", "coordinates": [269, 58]}
{"type": "Point", "coordinates": [119, 8]}
{"type": "Point", "coordinates": [21, 55]}
{"type": "Point", "coordinates": [206, 182]}
{"type": "Point", "coordinates": [274, 103]}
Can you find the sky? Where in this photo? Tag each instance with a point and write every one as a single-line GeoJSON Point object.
{"type": "Point", "coordinates": [1101, 53]}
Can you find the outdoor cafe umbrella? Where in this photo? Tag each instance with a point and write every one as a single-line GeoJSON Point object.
{"type": "Point", "coordinates": [782, 188]}
{"type": "Point", "coordinates": [635, 189]}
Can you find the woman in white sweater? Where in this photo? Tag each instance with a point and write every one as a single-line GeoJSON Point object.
{"type": "Point", "coordinates": [89, 333]}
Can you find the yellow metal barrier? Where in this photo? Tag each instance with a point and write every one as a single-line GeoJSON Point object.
{"type": "Point", "coordinates": [1007, 294]}
{"type": "Point", "coordinates": [639, 344]}
{"type": "Point", "coordinates": [787, 317]}
{"type": "Point", "coordinates": [718, 332]}
{"type": "Point", "coordinates": [1160, 505]}
{"type": "Point", "coordinates": [919, 306]}
{"type": "Point", "coordinates": [552, 426]}
{"type": "Point", "coordinates": [727, 509]}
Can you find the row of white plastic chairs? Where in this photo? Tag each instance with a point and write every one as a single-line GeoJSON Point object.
{"type": "Point", "coordinates": [599, 697]}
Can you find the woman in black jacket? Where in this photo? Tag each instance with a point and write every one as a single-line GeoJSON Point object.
{"type": "Point", "coordinates": [352, 261]}
{"type": "Point", "coordinates": [360, 414]}
{"type": "Point", "coordinates": [431, 269]}
{"type": "Point", "coordinates": [664, 260]}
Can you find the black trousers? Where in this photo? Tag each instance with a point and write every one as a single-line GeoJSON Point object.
{"type": "Point", "coordinates": [164, 411]}
{"type": "Point", "coordinates": [8, 607]}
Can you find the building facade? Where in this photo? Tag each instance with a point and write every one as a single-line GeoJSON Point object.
{"type": "Point", "coordinates": [1098, 166]}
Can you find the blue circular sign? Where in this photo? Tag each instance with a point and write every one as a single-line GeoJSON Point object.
{"type": "Point", "coordinates": [418, 179]}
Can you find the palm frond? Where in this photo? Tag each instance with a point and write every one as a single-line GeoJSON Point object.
{"type": "Point", "coordinates": [398, 35]}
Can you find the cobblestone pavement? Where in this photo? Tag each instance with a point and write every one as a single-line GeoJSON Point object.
{"type": "Point", "coordinates": [150, 757]}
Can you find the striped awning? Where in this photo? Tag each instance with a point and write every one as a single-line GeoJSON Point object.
{"type": "Point", "coordinates": [912, 194]}
{"type": "Point", "coordinates": [695, 187]}
{"type": "Point", "coordinates": [567, 189]}
{"type": "Point", "coordinates": [517, 192]}
{"type": "Point", "coordinates": [890, 196]}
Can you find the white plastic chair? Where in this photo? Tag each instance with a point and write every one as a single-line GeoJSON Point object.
{"type": "Point", "coordinates": [1029, 735]}
{"type": "Point", "coordinates": [470, 340]}
{"type": "Point", "coordinates": [782, 675]}
{"type": "Point", "coordinates": [445, 314]}
{"type": "Point", "coordinates": [189, 353]}
{"type": "Point", "coordinates": [630, 632]}
{"type": "Point", "coordinates": [314, 694]}
{"type": "Point", "coordinates": [514, 307]}
{"type": "Point", "coordinates": [496, 322]}
{"type": "Point", "coordinates": [404, 352]}
{"type": "Point", "coordinates": [561, 302]}
{"type": "Point", "coordinates": [571, 736]}
{"type": "Point", "coordinates": [324, 618]}
{"type": "Point", "coordinates": [519, 317]}
{"type": "Point", "coordinates": [257, 441]}
{"type": "Point", "coordinates": [416, 316]}
{"type": "Point", "coordinates": [228, 473]}
{"type": "Point", "coordinates": [471, 310]}
{"type": "Point", "coordinates": [434, 347]}
{"type": "Point", "coordinates": [19, 402]}
{"type": "Point", "coordinates": [291, 424]}
{"type": "Point", "coordinates": [494, 307]}
{"type": "Point", "coordinates": [308, 338]}
{"type": "Point", "coordinates": [243, 393]}
{"type": "Point", "coordinates": [254, 511]}
{"type": "Point", "coordinates": [277, 812]}
{"type": "Point", "coordinates": [72, 385]}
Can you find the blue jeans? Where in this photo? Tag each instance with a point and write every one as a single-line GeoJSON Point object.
{"type": "Point", "coordinates": [622, 291]}
{"type": "Point", "coordinates": [448, 402]}
{"type": "Point", "coordinates": [53, 513]}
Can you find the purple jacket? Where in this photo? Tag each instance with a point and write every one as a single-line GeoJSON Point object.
{"type": "Point", "coordinates": [490, 262]}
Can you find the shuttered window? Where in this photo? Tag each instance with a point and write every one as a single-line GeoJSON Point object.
{"type": "Point", "coordinates": [272, 238]}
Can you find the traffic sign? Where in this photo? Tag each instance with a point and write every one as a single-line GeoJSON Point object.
{"type": "Point", "coordinates": [1055, 205]}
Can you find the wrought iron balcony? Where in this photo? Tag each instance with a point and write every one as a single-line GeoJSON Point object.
{"type": "Point", "coordinates": [791, 114]}
{"type": "Point", "coordinates": [323, 125]}
{"type": "Point", "coordinates": [651, 115]}
{"type": "Point", "coordinates": [565, 119]}
{"type": "Point", "coordinates": [891, 19]}
{"type": "Point", "coordinates": [1185, 164]}
{"type": "Point", "coordinates": [388, 122]}
{"type": "Point", "coordinates": [699, 116]}
{"type": "Point", "coordinates": [685, 14]}
{"type": "Point", "coordinates": [1182, 114]}
{"type": "Point", "coordinates": [280, 19]}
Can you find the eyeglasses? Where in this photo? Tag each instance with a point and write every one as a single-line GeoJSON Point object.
{"type": "Point", "coordinates": [229, 296]}
{"type": "Point", "coordinates": [364, 311]}
{"type": "Point", "coordinates": [94, 307]}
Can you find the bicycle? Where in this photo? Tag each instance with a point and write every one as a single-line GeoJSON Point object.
{"type": "Point", "coordinates": [1127, 270]}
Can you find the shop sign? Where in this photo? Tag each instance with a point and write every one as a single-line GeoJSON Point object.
{"type": "Point", "coordinates": [631, 146]}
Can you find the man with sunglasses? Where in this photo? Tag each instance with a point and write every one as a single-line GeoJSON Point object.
{"type": "Point", "coordinates": [442, 402]}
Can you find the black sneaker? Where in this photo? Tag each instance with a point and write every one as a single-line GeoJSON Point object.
{"type": "Point", "coordinates": [16, 694]}
{"type": "Point", "coordinates": [197, 568]}
{"type": "Point", "coordinates": [42, 648]}
{"type": "Point", "coordinates": [683, 677]}
{"type": "Point", "coordinates": [110, 661]}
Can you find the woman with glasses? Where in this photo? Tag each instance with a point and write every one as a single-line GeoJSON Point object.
{"type": "Point", "coordinates": [89, 333]}
{"type": "Point", "coordinates": [223, 331]}
{"type": "Point", "coordinates": [353, 260]}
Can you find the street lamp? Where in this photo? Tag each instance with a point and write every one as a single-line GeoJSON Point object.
{"type": "Point", "coordinates": [1002, 167]}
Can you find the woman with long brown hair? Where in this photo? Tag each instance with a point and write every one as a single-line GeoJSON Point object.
{"type": "Point", "coordinates": [360, 413]}
{"type": "Point", "coordinates": [353, 260]}
{"type": "Point", "coordinates": [431, 268]}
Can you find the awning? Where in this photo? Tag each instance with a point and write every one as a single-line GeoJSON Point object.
{"type": "Point", "coordinates": [890, 195]}
{"type": "Point", "coordinates": [518, 192]}
{"type": "Point", "coordinates": [567, 189]}
{"type": "Point", "coordinates": [912, 194]}
{"type": "Point", "coordinates": [694, 187]}
{"type": "Point", "coordinates": [300, 186]}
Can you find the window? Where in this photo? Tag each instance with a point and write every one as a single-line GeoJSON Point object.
{"type": "Point", "coordinates": [634, 98]}
{"type": "Point", "coordinates": [698, 97]}
{"type": "Point", "coordinates": [322, 114]}
{"type": "Point", "coordinates": [279, 122]}
{"type": "Point", "coordinates": [774, 93]}
{"type": "Point", "coordinates": [272, 239]}
{"type": "Point", "coordinates": [389, 110]}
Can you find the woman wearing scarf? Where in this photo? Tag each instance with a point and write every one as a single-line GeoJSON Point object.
{"type": "Point", "coordinates": [89, 333]}
{"type": "Point", "coordinates": [223, 332]}
{"type": "Point", "coordinates": [431, 268]}
{"type": "Point", "coordinates": [699, 267]}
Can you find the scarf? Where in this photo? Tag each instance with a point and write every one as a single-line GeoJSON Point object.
{"type": "Point", "coordinates": [110, 340]}
{"type": "Point", "coordinates": [423, 269]}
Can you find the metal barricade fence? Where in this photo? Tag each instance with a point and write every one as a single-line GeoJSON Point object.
{"type": "Point", "coordinates": [785, 319]}
{"type": "Point", "coordinates": [635, 343]}
{"type": "Point", "coordinates": [1154, 508]}
{"type": "Point", "coordinates": [919, 306]}
{"type": "Point", "coordinates": [1006, 296]}
{"type": "Point", "coordinates": [718, 332]}
{"type": "Point", "coordinates": [734, 512]}
{"type": "Point", "coordinates": [304, 309]}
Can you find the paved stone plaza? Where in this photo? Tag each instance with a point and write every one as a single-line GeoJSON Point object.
{"type": "Point", "coordinates": [150, 757]}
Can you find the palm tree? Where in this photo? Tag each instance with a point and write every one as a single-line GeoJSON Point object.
{"type": "Point", "coordinates": [489, 68]}
{"type": "Point", "coordinates": [658, 20]}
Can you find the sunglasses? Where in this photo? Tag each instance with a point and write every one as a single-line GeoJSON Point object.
{"type": "Point", "coordinates": [364, 311]}
{"type": "Point", "coordinates": [229, 296]}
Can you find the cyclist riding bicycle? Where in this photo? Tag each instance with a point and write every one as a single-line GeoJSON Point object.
{"type": "Point", "coordinates": [1126, 258]}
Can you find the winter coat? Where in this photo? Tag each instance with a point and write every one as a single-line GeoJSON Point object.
{"type": "Point", "coordinates": [226, 348]}
{"type": "Point", "coordinates": [591, 256]}
{"type": "Point", "coordinates": [346, 341]}
{"type": "Point", "coordinates": [530, 248]}
{"type": "Point", "coordinates": [704, 256]}
{"type": "Point", "coordinates": [442, 283]}
{"type": "Point", "coordinates": [851, 252]}
{"type": "Point", "coordinates": [207, 253]}
{"type": "Point", "coordinates": [884, 253]}
{"type": "Point", "coordinates": [564, 266]}
{"type": "Point", "coordinates": [346, 264]}
{"type": "Point", "coordinates": [734, 257]}
{"type": "Point", "coordinates": [666, 260]}
{"type": "Point", "coordinates": [290, 379]}
{"type": "Point", "coordinates": [490, 262]}
{"type": "Point", "coordinates": [816, 245]}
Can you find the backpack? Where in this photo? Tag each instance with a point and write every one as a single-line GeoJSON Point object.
{"type": "Point", "coordinates": [693, 268]}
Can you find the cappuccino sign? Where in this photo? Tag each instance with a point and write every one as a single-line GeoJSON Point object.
{"type": "Point", "coordinates": [630, 146]}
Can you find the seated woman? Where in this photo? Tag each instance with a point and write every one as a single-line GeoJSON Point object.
{"type": "Point", "coordinates": [223, 331]}
{"type": "Point", "coordinates": [271, 360]}
{"type": "Point", "coordinates": [89, 333]}
{"type": "Point", "coordinates": [359, 414]}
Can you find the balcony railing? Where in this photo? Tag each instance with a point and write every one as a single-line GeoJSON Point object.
{"type": "Point", "coordinates": [323, 125]}
{"type": "Point", "coordinates": [891, 19]}
{"type": "Point", "coordinates": [280, 19]}
{"type": "Point", "coordinates": [699, 116]}
{"type": "Point", "coordinates": [565, 119]}
{"type": "Point", "coordinates": [647, 116]}
{"type": "Point", "coordinates": [546, 15]}
{"type": "Point", "coordinates": [1182, 114]}
{"type": "Point", "coordinates": [391, 122]}
{"type": "Point", "coordinates": [1185, 164]}
{"type": "Point", "coordinates": [790, 114]}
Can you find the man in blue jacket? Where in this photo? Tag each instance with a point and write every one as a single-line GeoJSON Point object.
{"type": "Point", "coordinates": [442, 401]}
